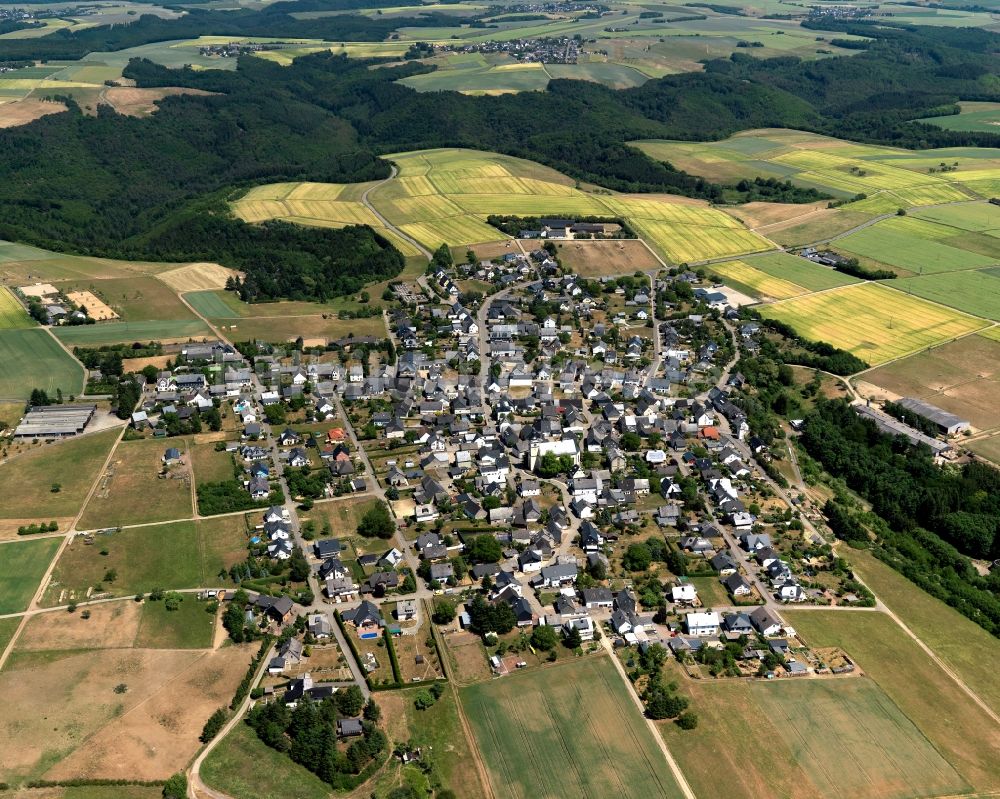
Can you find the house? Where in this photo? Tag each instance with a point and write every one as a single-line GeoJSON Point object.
{"type": "Point", "coordinates": [684, 593]}
{"type": "Point", "coordinates": [320, 627]}
{"type": "Point", "coordinates": [442, 572]}
{"type": "Point", "coordinates": [767, 623]}
{"type": "Point", "coordinates": [724, 564]}
{"type": "Point", "coordinates": [327, 548]}
{"type": "Point", "coordinates": [736, 585]}
{"type": "Point", "coordinates": [277, 609]}
{"type": "Point", "coordinates": [171, 456]}
{"type": "Point", "coordinates": [366, 618]}
{"type": "Point", "coordinates": [304, 686]}
{"type": "Point", "coordinates": [583, 625]}
{"type": "Point", "coordinates": [702, 624]}
{"type": "Point", "coordinates": [406, 610]}
{"type": "Point", "coordinates": [737, 624]}
{"type": "Point", "coordinates": [597, 598]}
{"type": "Point", "coordinates": [559, 575]}
{"type": "Point", "coordinates": [349, 728]}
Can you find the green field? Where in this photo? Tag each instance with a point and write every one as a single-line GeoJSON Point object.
{"type": "Point", "coordinates": [124, 332]}
{"type": "Point", "coordinates": [7, 630]}
{"type": "Point", "coordinates": [975, 292]}
{"type": "Point", "coordinates": [183, 555]}
{"type": "Point", "coordinates": [32, 359]}
{"type": "Point", "coordinates": [211, 304]}
{"type": "Point", "coordinates": [578, 715]}
{"type": "Point", "coordinates": [12, 313]}
{"type": "Point", "coordinates": [188, 627]}
{"type": "Point", "coordinates": [136, 298]}
{"type": "Point", "coordinates": [967, 216]}
{"type": "Point", "coordinates": [871, 321]}
{"type": "Point", "coordinates": [979, 117]}
{"type": "Point", "coordinates": [794, 269]}
{"type": "Point", "coordinates": [22, 564]}
{"type": "Point", "coordinates": [26, 481]}
{"type": "Point", "coordinates": [902, 249]}
{"type": "Point", "coordinates": [958, 728]}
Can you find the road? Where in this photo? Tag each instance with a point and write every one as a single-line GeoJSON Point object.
{"type": "Point", "coordinates": [405, 236]}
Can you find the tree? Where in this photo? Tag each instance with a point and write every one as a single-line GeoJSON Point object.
{"type": "Point", "coordinates": [631, 442]}
{"type": "Point", "coordinates": [214, 724]}
{"type": "Point", "coordinates": [483, 549]}
{"type": "Point", "coordinates": [176, 787]}
{"type": "Point", "coordinates": [486, 617]}
{"type": "Point", "coordinates": [377, 522]}
{"type": "Point", "coordinates": [687, 720]}
{"type": "Point", "coordinates": [544, 638]}
{"type": "Point", "coordinates": [664, 705]}
{"type": "Point", "coordinates": [572, 640]}
{"type": "Point", "coordinates": [424, 700]}
{"type": "Point", "coordinates": [350, 700]}
{"type": "Point", "coordinates": [637, 558]}
{"type": "Point", "coordinates": [444, 611]}
{"type": "Point", "coordinates": [298, 569]}
{"type": "Point", "coordinates": [372, 711]}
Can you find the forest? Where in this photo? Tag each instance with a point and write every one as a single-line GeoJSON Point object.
{"type": "Point", "coordinates": [155, 188]}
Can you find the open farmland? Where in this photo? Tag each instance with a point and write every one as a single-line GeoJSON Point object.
{"type": "Point", "coordinates": [981, 117]}
{"type": "Point", "coordinates": [955, 725]}
{"type": "Point", "coordinates": [26, 480]}
{"type": "Point", "coordinates": [136, 298]}
{"type": "Point", "coordinates": [134, 472]}
{"type": "Point", "coordinates": [975, 292]}
{"type": "Point", "coordinates": [578, 714]}
{"type": "Point", "coordinates": [823, 737]}
{"type": "Point", "coordinates": [22, 565]}
{"type": "Point", "coordinates": [800, 271]}
{"type": "Point", "coordinates": [196, 277]}
{"type": "Point", "coordinates": [33, 359]}
{"type": "Point", "coordinates": [12, 313]}
{"type": "Point", "coordinates": [606, 258]}
{"type": "Point", "coordinates": [874, 323]}
{"type": "Point", "coordinates": [742, 276]}
{"type": "Point", "coordinates": [126, 332]}
{"type": "Point", "coordinates": [962, 377]}
{"type": "Point", "coordinates": [890, 178]}
{"type": "Point", "coordinates": [188, 554]}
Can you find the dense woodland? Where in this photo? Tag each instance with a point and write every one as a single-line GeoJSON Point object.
{"type": "Point", "coordinates": [155, 188]}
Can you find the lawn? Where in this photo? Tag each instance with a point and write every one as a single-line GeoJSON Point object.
{"type": "Point", "coordinates": [12, 313]}
{"type": "Point", "coordinates": [711, 591]}
{"type": "Point", "coordinates": [958, 728]}
{"type": "Point", "coordinates": [578, 715]}
{"type": "Point", "coordinates": [26, 481]}
{"type": "Point", "coordinates": [170, 556]}
{"type": "Point", "coordinates": [343, 515]}
{"type": "Point", "coordinates": [33, 359]}
{"type": "Point", "coordinates": [871, 321]}
{"type": "Point", "coordinates": [188, 627]}
{"type": "Point", "coordinates": [975, 292]}
{"type": "Point", "coordinates": [965, 646]}
{"type": "Point", "coordinates": [134, 472]}
{"type": "Point", "coordinates": [125, 332]}
{"type": "Point", "coordinates": [243, 767]}
{"type": "Point", "coordinates": [22, 565]}
{"type": "Point", "coordinates": [210, 466]}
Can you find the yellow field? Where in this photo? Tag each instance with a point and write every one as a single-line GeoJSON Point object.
{"type": "Point", "coordinates": [452, 231]}
{"type": "Point", "coordinates": [762, 283]}
{"type": "Point", "coordinates": [687, 243]}
{"type": "Point", "coordinates": [871, 321]}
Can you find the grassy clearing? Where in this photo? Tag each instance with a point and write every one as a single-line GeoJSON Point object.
{"type": "Point", "coordinates": [873, 322]}
{"type": "Point", "coordinates": [210, 466]}
{"type": "Point", "coordinates": [12, 313]}
{"type": "Point", "coordinates": [188, 627]}
{"type": "Point", "coordinates": [135, 472]}
{"type": "Point", "coordinates": [32, 359]}
{"type": "Point", "coordinates": [974, 292]}
{"type": "Point", "coordinates": [22, 565]}
{"type": "Point", "coordinates": [171, 556]}
{"type": "Point", "coordinates": [124, 332]}
{"type": "Point", "coordinates": [579, 714]}
{"type": "Point", "coordinates": [958, 728]}
{"type": "Point", "coordinates": [981, 117]}
{"type": "Point", "coordinates": [26, 480]}
{"type": "Point", "coordinates": [711, 591]}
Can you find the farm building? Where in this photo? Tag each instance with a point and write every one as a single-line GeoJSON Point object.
{"type": "Point", "coordinates": [893, 427]}
{"type": "Point", "coordinates": [947, 423]}
{"type": "Point", "coordinates": [55, 421]}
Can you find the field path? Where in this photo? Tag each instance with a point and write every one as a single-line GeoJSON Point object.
{"type": "Point", "coordinates": [364, 199]}
{"type": "Point", "coordinates": [679, 777]}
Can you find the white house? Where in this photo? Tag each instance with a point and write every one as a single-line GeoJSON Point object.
{"type": "Point", "coordinates": [684, 593]}
{"type": "Point", "coordinates": [702, 624]}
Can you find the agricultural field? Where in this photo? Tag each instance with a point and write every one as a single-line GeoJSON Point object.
{"type": "Point", "coordinates": [975, 292]}
{"type": "Point", "coordinates": [890, 178]}
{"type": "Point", "coordinates": [579, 714]}
{"type": "Point", "coordinates": [125, 332]}
{"type": "Point", "coordinates": [136, 299]}
{"type": "Point", "coordinates": [12, 313]}
{"type": "Point", "coordinates": [22, 564]}
{"type": "Point", "coordinates": [979, 117]}
{"type": "Point", "coordinates": [134, 472]}
{"type": "Point", "coordinates": [27, 480]}
{"type": "Point", "coordinates": [957, 727]}
{"type": "Point", "coordinates": [606, 258]}
{"type": "Point", "coordinates": [779, 276]}
{"type": "Point", "coordinates": [123, 720]}
{"type": "Point", "coordinates": [742, 276]}
{"type": "Point", "coordinates": [196, 277]}
{"type": "Point", "coordinates": [874, 323]}
{"type": "Point", "coordinates": [32, 359]}
{"type": "Point", "coordinates": [187, 554]}
{"type": "Point", "coordinates": [962, 377]}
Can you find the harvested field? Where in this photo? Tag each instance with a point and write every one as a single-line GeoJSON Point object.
{"type": "Point", "coordinates": [143, 733]}
{"type": "Point", "coordinates": [606, 258]}
{"type": "Point", "coordinates": [134, 102]}
{"type": "Point", "coordinates": [22, 565]}
{"type": "Point", "coordinates": [138, 364]}
{"type": "Point", "coordinates": [873, 322]}
{"type": "Point", "coordinates": [962, 377]}
{"type": "Point", "coordinates": [579, 714]}
{"type": "Point", "coordinates": [135, 472]}
{"type": "Point", "coordinates": [197, 277]}
{"type": "Point", "coordinates": [33, 359]}
{"type": "Point", "coordinates": [12, 313]}
{"type": "Point", "coordinates": [112, 625]}
{"type": "Point", "coordinates": [96, 308]}
{"type": "Point", "coordinates": [821, 226]}
{"type": "Point", "coordinates": [958, 728]}
{"type": "Point", "coordinates": [26, 480]}
{"type": "Point", "coordinates": [988, 448]}
{"type": "Point", "coordinates": [21, 112]}
{"type": "Point", "coordinates": [170, 556]}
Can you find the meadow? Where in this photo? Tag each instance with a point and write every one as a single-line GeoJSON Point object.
{"type": "Point", "coordinates": [187, 627]}
{"type": "Point", "coordinates": [125, 332]}
{"type": "Point", "coordinates": [981, 117]}
{"type": "Point", "coordinates": [32, 359]}
{"type": "Point", "coordinates": [134, 472]}
{"type": "Point", "coordinates": [914, 246]}
{"type": "Point", "coordinates": [187, 554]}
{"type": "Point", "coordinates": [22, 565]}
{"type": "Point", "coordinates": [577, 714]}
{"type": "Point", "coordinates": [871, 321]}
{"type": "Point", "coordinates": [12, 313]}
{"type": "Point", "coordinates": [26, 480]}
{"type": "Point", "coordinates": [957, 727]}
{"type": "Point", "coordinates": [136, 298]}
{"type": "Point", "coordinates": [962, 377]}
